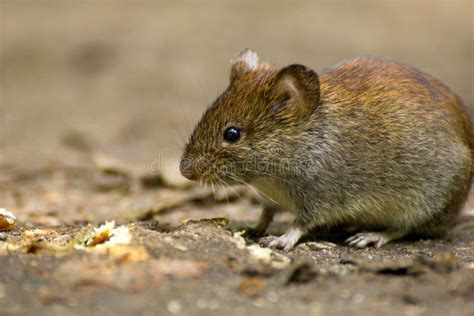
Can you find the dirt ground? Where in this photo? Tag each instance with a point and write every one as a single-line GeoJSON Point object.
{"type": "Point", "coordinates": [96, 100]}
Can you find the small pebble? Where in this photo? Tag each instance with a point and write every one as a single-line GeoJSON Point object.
{"type": "Point", "coordinates": [3, 236]}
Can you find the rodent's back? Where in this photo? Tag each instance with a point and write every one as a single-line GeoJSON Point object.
{"type": "Point", "coordinates": [395, 132]}
{"type": "Point", "coordinates": [397, 96]}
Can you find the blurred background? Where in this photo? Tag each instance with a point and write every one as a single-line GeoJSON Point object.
{"type": "Point", "coordinates": [132, 77]}
{"type": "Point", "coordinates": [98, 96]}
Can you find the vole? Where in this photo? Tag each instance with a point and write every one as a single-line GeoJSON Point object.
{"type": "Point", "coordinates": [369, 143]}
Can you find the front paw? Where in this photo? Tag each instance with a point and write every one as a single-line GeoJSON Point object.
{"type": "Point", "coordinates": [287, 240]}
{"type": "Point", "coordinates": [281, 243]}
{"type": "Point", "coordinates": [265, 241]}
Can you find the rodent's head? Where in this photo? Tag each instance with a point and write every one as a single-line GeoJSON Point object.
{"type": "Point", "coordinates": [253, 123]}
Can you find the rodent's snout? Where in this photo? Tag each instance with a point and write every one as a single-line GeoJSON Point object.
{"type": "Point", "coordinates": [187, 170]}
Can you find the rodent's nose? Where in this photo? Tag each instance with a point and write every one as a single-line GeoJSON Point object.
{"type": "Point", "coordinates": [187, 171]}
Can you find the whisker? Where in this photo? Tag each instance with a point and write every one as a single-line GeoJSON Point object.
{"type": "Point", "coordinates": [183, 113]}
{"type": "Point", "coordinates": [221, 184]}
{"type": "Point", "coordinates": [247, 184]}
{"type": "Point", "coordinates": [274, 177]}
{"type": "Point", "coordinates": [178, 132]}
{"type": "Point", "coordinates": [235, 191]}
{"type": "Point", "coordinates": [213, 190]}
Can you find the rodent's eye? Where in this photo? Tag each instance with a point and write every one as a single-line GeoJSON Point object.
{"type": "Point", "coordinates": [232, 134]}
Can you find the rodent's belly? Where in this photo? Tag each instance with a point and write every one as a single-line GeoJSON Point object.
{"type": "Point", "coordinates": [274, 192]}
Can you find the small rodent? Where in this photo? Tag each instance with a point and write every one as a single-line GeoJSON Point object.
{"type": "Point", "coordinates": [369, 143]}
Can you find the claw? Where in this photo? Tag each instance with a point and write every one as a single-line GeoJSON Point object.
{"type": "Point", "coordinates": [285, 242]}
{"type": "Point", "coordinates": [362, 240]}
{"type": "Point", "coordinates": [265, 241]}
{"type": "Point", "coordinates": [279, 244]}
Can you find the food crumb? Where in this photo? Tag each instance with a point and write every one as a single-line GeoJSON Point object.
{"type": "Point", "coordinates": [107, 235]}
{"type": "Point", "coordinates": [7, 220]}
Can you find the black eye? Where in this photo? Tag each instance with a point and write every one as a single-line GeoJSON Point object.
{"type": "Point", "coordinates": [232, 134]}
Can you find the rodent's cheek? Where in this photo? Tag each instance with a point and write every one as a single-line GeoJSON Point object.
{"type": "Point", "coordinates": [201, 165]}
{"type": "Point", "coordinates": [225, 144]}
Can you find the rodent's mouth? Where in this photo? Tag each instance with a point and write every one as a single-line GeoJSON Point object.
{"type": "Point", "coordinates": [208, 171]}
{"type": "Point", "coordinates": [220, 180]}
{"type": "Point", "coordinates": [207, 174]}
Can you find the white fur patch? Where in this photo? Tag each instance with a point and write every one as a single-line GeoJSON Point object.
{"type": "Point", "coordinates": [248, 57]}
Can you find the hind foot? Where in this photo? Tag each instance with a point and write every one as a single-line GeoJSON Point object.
{"type": "Point", "coordinates": [375, 239]}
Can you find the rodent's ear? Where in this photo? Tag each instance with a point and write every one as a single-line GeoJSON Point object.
{"type": "Point", "coordinates": [299, 86]}
{"type": "Point", "coordinates": [245, 61]}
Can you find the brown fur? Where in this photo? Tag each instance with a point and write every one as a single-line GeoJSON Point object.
{"type": "Point", "coordinates": [371, 143]}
